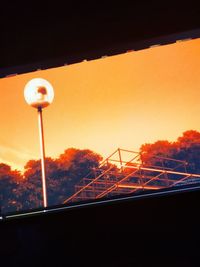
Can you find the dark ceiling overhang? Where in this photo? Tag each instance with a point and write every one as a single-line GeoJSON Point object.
{"type": "Point", "coordinates": [39, 36]}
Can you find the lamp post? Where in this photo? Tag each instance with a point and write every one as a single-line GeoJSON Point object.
{"type": "Point", "coordinates": [39, 94]}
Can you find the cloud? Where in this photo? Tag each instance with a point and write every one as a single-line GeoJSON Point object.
{"type": "Point", "coordinates": [16, 158]}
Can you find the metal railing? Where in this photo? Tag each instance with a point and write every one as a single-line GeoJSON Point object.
{"type": "Point", "coordinates": [123, 172]}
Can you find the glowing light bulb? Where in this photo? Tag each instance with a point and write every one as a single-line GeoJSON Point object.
{"type": "Point", "coordinates": [38, 93]}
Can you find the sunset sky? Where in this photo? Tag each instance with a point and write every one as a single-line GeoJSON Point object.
{"type": "Point", "coordinates": [120, 101]}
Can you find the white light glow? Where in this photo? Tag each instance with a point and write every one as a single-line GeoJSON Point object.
{"type": "Point", "coordinates": [38, 93]}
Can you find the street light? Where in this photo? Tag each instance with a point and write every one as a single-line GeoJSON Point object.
{"type": "Point", "coordinates": [39, 94]}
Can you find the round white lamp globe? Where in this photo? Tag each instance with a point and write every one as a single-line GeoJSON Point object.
{"type": "Point", "coordinates": [38, 93]}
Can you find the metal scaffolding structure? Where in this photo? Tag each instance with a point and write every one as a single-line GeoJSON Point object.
{"type": "Point", "coordinates": [123, 172]}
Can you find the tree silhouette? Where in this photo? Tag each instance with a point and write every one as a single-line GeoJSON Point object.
{"type": "Point", "coordinates": [24, 192]}
{"type": "Point", "coordinates": [186, 148]}
{"type": "Point", "coordinates": [161, 148]}
{"type": "Point", "coordinates": [73, 165]}
{"type": "Point", "coordinates": [61, 176]}
{"type": "Point", "coordinates": [9, 184]}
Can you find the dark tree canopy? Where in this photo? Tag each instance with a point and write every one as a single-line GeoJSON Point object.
{"type": "Point", "coordinates": [77, 163]}
{"type": "Point", "coordinates": [162, 148]}
{"type": "Point", "coordinates": [188, 139]}
{"type": "Point", "coordinates": [9, 184]}
{"type": "Point", "coordinates": [24, 192]}
{"type": "Point", "coordinates": [186, 148]}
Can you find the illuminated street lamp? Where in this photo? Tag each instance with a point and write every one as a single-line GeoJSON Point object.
{"type": "Point", "coordinates": [39, 94]}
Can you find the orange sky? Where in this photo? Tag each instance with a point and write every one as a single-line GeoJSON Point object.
{"type": "Point", "coordinates": [119, 101]}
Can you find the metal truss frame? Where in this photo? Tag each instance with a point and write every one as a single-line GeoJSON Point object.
{"type": "Point", "coordinates": [123, 172]}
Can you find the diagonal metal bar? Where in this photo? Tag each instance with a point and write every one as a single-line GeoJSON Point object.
{"type": "Point", "coordinates": [99, 186]}
{"type": "Point", "coordinates": [181, 180]}
{"type": "Point", "coordinates": [110, 189]}
{"type": "Point", "coordinates": [90, 183]}
{"type": "Point", "coordinates": [163, 171]}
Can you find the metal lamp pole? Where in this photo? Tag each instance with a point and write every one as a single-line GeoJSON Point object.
{"type": "Point", "coordinates": [39, 94]}
{"type": "Point", "coordinates": [42, 151]}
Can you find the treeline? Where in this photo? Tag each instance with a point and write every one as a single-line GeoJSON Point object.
{"type": "Point", "coordinates": [185, 148]}
{"type": "Point", "coordinates": [24, 191]}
